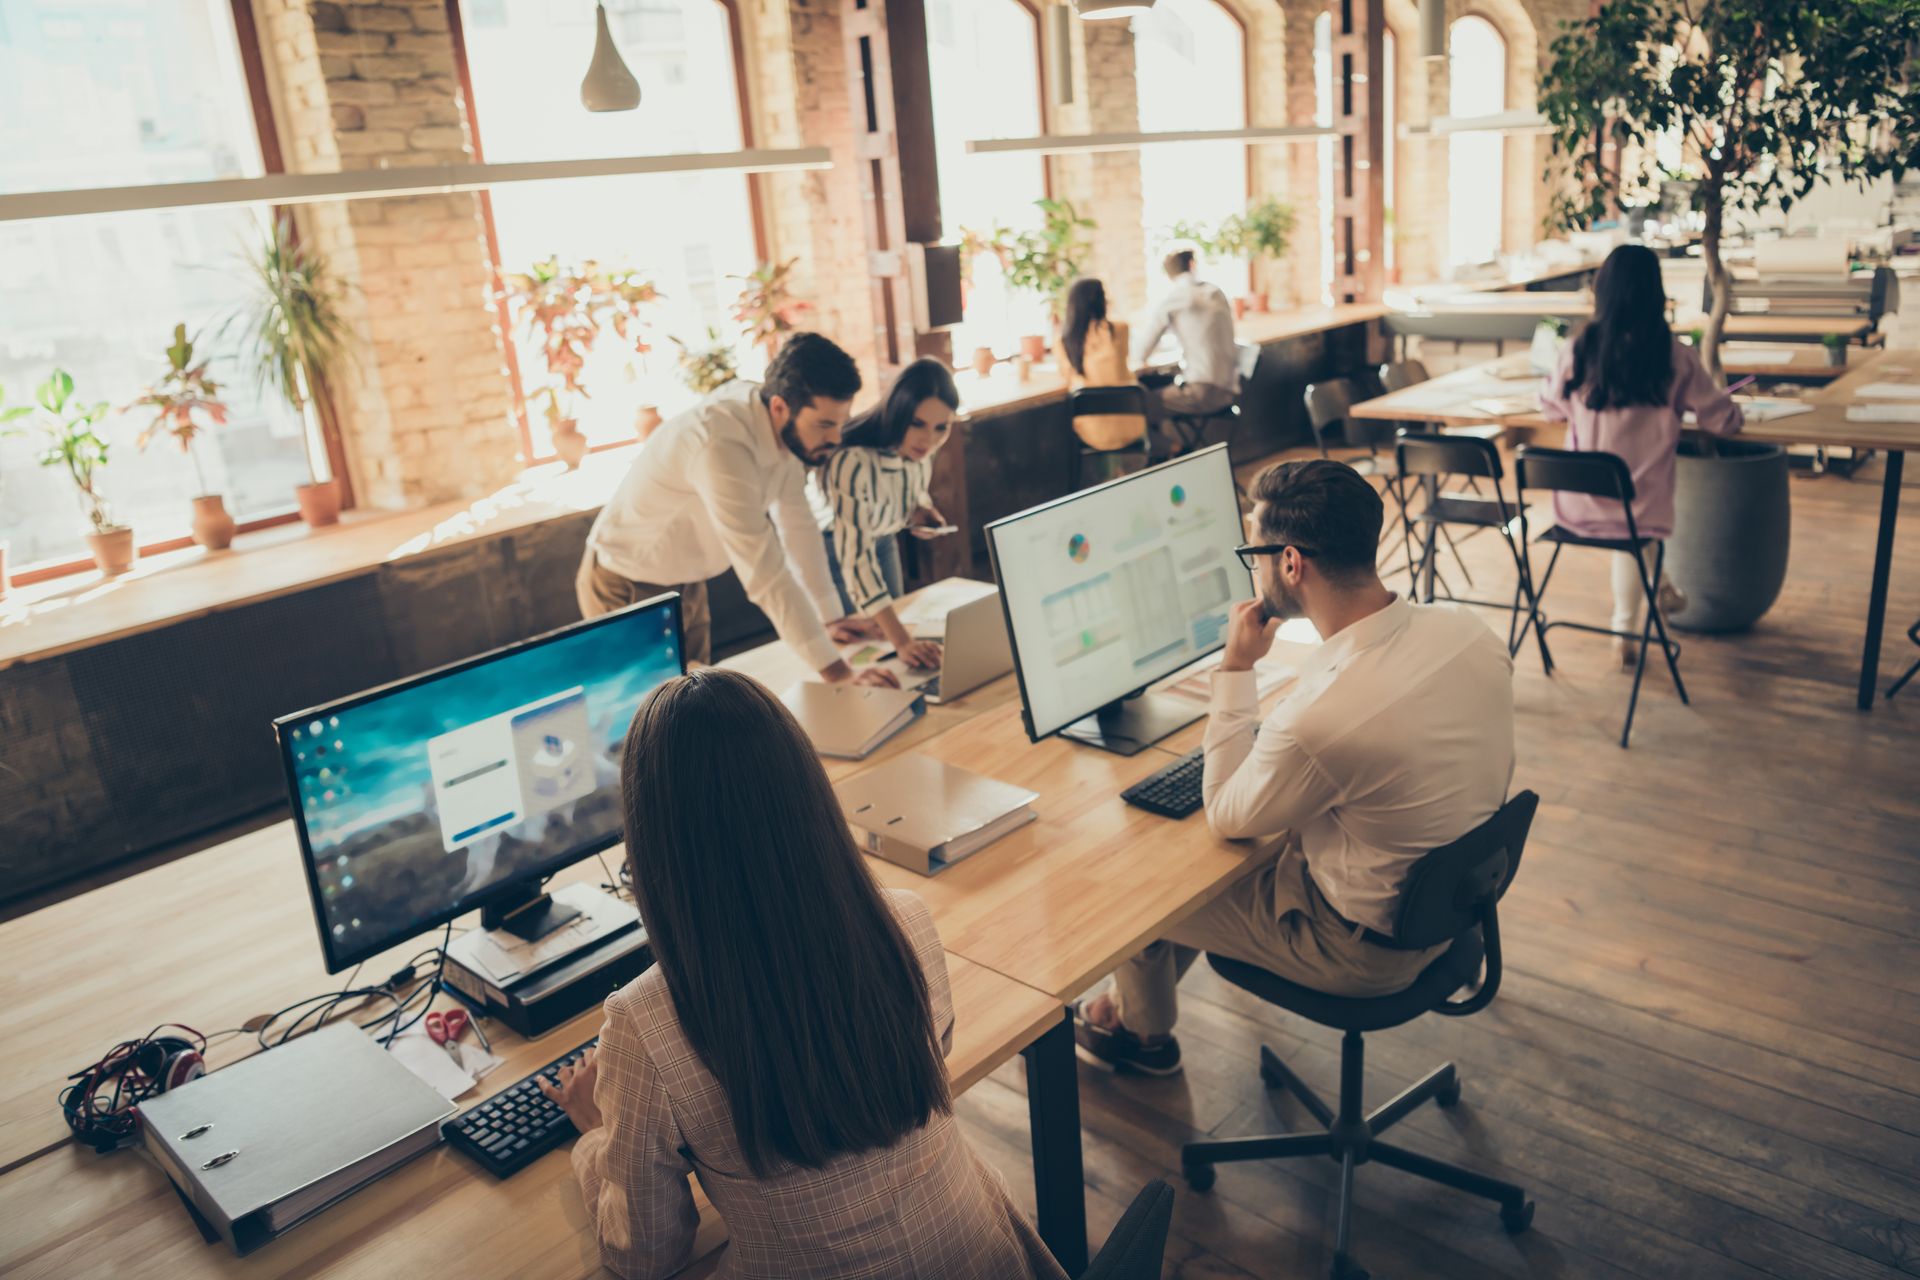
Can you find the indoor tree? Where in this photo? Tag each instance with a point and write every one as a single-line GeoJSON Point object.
{"type": "Point", "coordinates": [1774, 97]}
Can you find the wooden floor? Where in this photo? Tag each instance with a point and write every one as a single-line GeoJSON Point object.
{"type": "Point", "coordinates": [1705, 1059]}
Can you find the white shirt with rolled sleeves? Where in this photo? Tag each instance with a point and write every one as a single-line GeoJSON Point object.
{"type": "Point", "coordinates": [714, 487]}
{"type": "Point", "coordinates": [1395, 739]}
{"type": "Point", "coordinates": [1202, 319]}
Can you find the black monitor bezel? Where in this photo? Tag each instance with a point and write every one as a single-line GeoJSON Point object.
{"type": "Point", "coordinates": [993, 555]}
{"type": "Point", "coordinates": [338, 959]}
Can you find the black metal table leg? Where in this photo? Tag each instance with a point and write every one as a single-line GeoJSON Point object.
{"type": "Point", "coordinates": [1882, 568]}
{"type": "Point", "coordinates": [1053, 1115]}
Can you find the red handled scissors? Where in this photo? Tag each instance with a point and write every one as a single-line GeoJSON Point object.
{"type": "Point", "coordinates": [444, 1030]}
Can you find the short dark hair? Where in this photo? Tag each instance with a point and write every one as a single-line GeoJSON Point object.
{"type": "Point", "coordinates": [1327, 510]}
{"type": "Point", "coordinates": [1178, 263]}
{"type": "Point", "coordinates": [810, 365]}
{"type": "Point", "coordinates": [885, 425]}
{"type": "Point", "coordinates": [821, 1032]}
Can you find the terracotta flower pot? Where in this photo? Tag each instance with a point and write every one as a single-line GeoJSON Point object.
{"type": "Point", "coordinates": [569, 443]}
{"type": "Point", "coordinates": [645, 421]}
{"type": "Point", "coordinates": [212, 526]}
{"type": "Point", "coordinates": [983, 361]}
{"type": "Point", "coordinates": [1034, 347]}
{"type": "Point", "coordinates": [1240, 308]}
{"type": "Point", "coordinates": [319, 503]}
{"type": "Point", "coordinates": [112, 549]}
{"type": "Point", "coordinates": [1257, 303]}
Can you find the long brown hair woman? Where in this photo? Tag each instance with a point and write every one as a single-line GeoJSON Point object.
{"type": "Point", "coordinates": [786, 1048]}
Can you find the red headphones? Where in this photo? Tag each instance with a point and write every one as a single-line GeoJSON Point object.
{"type": "Point", "coordinates": [99, 1103]}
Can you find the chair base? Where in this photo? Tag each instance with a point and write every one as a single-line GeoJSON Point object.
{"type": "Point", "coordinates": [1353, 1139]}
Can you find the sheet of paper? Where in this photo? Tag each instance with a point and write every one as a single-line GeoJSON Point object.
{"type": "Point", "coordinates": [1769, 410]}
{"type": "Point", "coordinates": [1883, 413]}
{"type": "Point", "coordinates": [1890, 391]}
{"type": "Point", "coordinates": [926, 615]}
{"type": "Point", "coordinates": [420, 1055]}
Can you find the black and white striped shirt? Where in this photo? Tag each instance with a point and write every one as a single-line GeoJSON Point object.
{"type": "Point", "coordinates": [870, 494]}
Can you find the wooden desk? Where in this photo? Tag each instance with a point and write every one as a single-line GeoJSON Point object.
{"type": "Point", "coordinates": [225, 934]}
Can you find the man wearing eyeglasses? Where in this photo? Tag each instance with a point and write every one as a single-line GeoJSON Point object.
{"type": "Point", "coordinates": [1395, 739]}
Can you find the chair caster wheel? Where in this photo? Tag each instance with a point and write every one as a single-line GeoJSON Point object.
{"type": "Point", "coordinates": [1516, 1218]}
{"type": "Point", "coordinates": [1449, 1096]}
{"type": "Point", "coordinates": [1345, 1268]}
{"type": "Point", "coordinates": [1199, 1177]}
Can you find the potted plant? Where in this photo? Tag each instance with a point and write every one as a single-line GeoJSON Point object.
{"type": "Point", "coordinates": [1836, 345]}
{"type": "Point", "coordinates": [1260, 235]}
{"type": "Point", "coordinates": [8, 416]}
{"type": "Point", "coordinates": [565, 308]}
{"type": "Point", "coordinates": [766, 307]}
{"type": "Point", "coordinates": [70, 442]}
{"type": "Point", "coordinates": [1046, 261]}
{"type": "Point", "coordinates": [179, 399]}
{"type": "Point", "coordinates": [298, 338]}
{"type": "Point", "coordinates": [706, 368]}
{"type": "Point", "coordinates": [1772, 98]}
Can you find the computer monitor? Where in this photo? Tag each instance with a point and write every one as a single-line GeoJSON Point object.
{"type": "Point", "coordinates": [463, 788]}
{"type": "Point", "coordinates": [1113, 588]}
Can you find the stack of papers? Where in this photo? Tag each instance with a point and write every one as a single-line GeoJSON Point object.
{"type": "Point", "coordinates": [1883, 413]}
{"type": "Point", "coordinates": [1890, 391]}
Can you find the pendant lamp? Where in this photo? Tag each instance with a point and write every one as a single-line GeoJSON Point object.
{"type": "Point", "coordinates": [1092, 10]}
{"type": "Point", "coordinates": [1433, 28]}
{"type": "Point", "coordinates": [609, 86]}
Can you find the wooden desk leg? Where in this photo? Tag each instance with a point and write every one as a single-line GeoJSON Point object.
{"type": "Point", "coordinates": [1882, 568]}
{"type": "Point", "coordinates": [1053, 1115]}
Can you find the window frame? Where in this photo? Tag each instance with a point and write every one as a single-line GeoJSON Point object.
{"type": "Point", "coordinates": [253, 72]}
{"type": "Point", "coordinates": [1506, 96]}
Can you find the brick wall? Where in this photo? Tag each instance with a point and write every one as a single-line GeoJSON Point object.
{"type": "Point", "coordinates": [425, 410]}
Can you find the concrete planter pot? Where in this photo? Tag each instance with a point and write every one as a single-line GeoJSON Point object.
{"type": "Point", "coordinates": [1733, 523]}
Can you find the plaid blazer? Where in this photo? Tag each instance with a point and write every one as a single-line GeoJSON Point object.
{"type": "Point", "coordinates": [924, 1207]}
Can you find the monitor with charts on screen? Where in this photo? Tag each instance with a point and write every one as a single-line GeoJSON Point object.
{"type": "Point", "coordinates": [463, 788]}
{"type": "Point", "coordinates": [1113, 588]}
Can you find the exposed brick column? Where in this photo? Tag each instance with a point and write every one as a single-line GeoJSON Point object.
{"type": "Point", "coordinates": [425, 410]}
{"type": "Point", "coordinates": [1300, 162]}
{"type": "Point", "coordinates": [1271, 96]}
{"type": "Point", "coordinates": [1105, 186]}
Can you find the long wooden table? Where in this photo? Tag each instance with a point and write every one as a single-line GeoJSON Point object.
{"type": "Point", "coordinates": [1448, 401]}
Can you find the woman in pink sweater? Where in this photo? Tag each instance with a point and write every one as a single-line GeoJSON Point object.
{"type": "Point", "coordinates": [1623, 387]}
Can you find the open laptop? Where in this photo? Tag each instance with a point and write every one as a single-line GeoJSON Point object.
{"type": "Point", "coordinates": [975, 651]}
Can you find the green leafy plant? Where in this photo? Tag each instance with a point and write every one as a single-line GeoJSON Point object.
{"type": "Point", "coordinates": [1772, 98]}
{"type": "Point", "coordinates": [69, 441]}
{"type": "Point", "coordinates": [1833, 341]}
{"type": "Point", "coordinates": [295, 332]}
{"type": "Point", "coordinates": [1048, 260]}
{"type": "Point", "coordinates": [1194, 234]}
{"type": "Point", "coordinates": [705, 368]}
{"type": "Point", "coordinates": [766, 307]}
{"type": "Point", "coordinates": [566, 307]}
{"type": "Point", "coordinates": [183, 395]}
{"type": "Point", "coordinates": [1262, 233]}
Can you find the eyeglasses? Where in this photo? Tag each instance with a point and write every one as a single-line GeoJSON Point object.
{"type": "Point", "coordinates": [1249, 551]}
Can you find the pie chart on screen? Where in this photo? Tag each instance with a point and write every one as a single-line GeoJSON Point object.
{"type": "Point", "coordinates": [1079, 548]}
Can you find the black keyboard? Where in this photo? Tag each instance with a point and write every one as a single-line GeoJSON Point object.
{"type": "Point", "coordinates": [1173, 792]}
{"type": "Point", "coordinates": [516, 1126]}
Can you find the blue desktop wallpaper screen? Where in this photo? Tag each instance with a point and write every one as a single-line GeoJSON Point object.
{"type": "Point", "coordinates": [529, 749]}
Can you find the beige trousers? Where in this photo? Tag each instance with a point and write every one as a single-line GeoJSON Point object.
{"type": "Point", "coordinates": [601, 590]}
{"type": "Point", "coordinates": [1273, 917]}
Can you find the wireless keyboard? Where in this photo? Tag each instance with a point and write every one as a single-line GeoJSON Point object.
{"type": "Point", "coordinates": [518, 1125]}
{"type": "Point", "coordinates": [1173, 792]}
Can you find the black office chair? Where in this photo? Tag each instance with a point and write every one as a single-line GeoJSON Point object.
{"type": "Point", "coordinates": [1329, 413]}
{"type": "Point", "coordinates": [1138, 1244]}
{"type": "Point", "coordinates": [1913, 634]}
{"type": "Point", "coordinates": [1091, 401]}
{"type": "Point", "coordinates": [1192, 428]}
{"type": "Point", "coordinates": [1600, 475]}
{"type": "Point", "coordinates": [1398, 375]}
{"type": "Point", "coordinates": [1451, 894]}
{"type": "Point", "coordinates": [1432, 460]}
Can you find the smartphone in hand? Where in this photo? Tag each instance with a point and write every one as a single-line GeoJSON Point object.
{"type": "Point", "coordinates": [933, 531]}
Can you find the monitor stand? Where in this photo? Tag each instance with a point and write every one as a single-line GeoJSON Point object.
{"type": "Point", "coordinates": [595, 944]}
{"type": "Point", "coordinates": [530, 916]}
{"type": "Point", "coordinates": [1131, 725]}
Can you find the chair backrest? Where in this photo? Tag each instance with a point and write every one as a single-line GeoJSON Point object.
{"type": "Point", "coordinates": [1138, 1243]}
{"type": "Point", "coordinates": [1457, 886]}
{"type": "Point", "coordinates": [1246, 358]}
{"type": "Point", "coordinates": [1423, 453]}
{"type": "Point", "coordinates": [1602, 475]}
{"type": "Point", "coordinates": [1398, 375]}
{"type": "Point", "coordinates": [1090, 401]}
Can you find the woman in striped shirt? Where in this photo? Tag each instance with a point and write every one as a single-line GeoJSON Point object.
{"type": "Point", "coordinates": [876, 487]}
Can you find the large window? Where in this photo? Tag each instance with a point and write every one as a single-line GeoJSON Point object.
{"type": "Point", "coordinates": [984, 60]}
{"type": "Point", "coordinates": [116, 94]}
{"type": "Point", "coordinates": [1476, 86]}
{"type": "Point", "coordinates": [1190, 59]}
{"type": "Point", "coordinates": [684, 232]}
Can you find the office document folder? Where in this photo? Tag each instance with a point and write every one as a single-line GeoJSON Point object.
{"type": "Point", "coordinates": [925, 814]}
{"type": "Point", "coordinates": [263, 1145]}
{"type": "Point", "coordinates": [847, 721]}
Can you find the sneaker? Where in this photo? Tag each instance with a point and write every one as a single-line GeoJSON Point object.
{"type": "Point", "coordinates": [1671, 600]}
{"type": "Point", "coordinates": [1119, 1050]}
{"type": "Point", "coordinates": [1626, 653]}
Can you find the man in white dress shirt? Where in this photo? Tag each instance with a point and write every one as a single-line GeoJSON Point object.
{"type": "Point", "coordinates": [725, 484]}
{"type": "Point", "coordinates": [1199, 315]}
{"type": "Point", "coordinates": [1395, 739]}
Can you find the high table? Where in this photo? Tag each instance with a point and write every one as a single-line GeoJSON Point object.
{"type": "Point", "coordinates": [1448, 401]}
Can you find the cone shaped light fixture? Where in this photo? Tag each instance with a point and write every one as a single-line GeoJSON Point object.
{"type": "Point", "coordinates": [1433, 28]}
{"type": "Point", "coordinates": [609, 86]}
{"type": "Point", "coordinates": [1090, 10]}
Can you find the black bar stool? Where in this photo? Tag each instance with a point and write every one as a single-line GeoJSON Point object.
{"type": "Point", "coordinates": [1090, 402]}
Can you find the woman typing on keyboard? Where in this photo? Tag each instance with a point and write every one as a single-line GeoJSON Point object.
{"type": "Point", "coordinates": [787, 1046]}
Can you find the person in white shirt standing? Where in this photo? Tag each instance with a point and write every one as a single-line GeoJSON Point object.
{"type": "Point", "coordinates": [1199, 315]}
{"type": "Point", "coordinates": [725, 484]}
{"type": "Point", "coordinates": [1395, 739]}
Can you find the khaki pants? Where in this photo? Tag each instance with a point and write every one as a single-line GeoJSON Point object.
{"type": "Point", "coordinates": [1175, 411]}
{"type": "Point", "coordinates": [601, 590]}
{"type": "Point", "coordinates": [1273, 917]}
